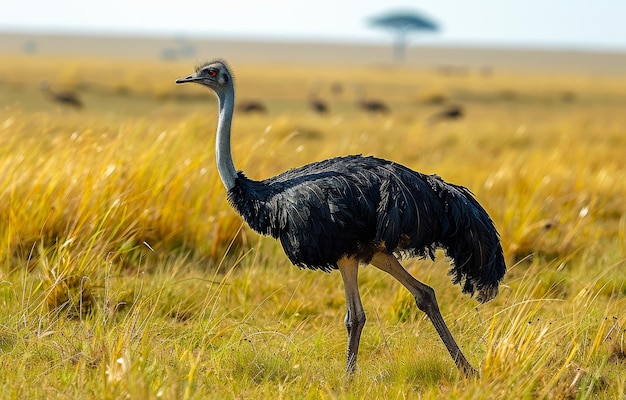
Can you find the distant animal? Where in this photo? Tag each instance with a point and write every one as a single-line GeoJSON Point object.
{"type": "Point", "coordinates": [316, 104]}
{"type": "Point", "coordinates": [451, 112]}
{"type": "Point", "coordinates": [65, 97]}
{"type": "Point", "coordinates": [369, 105]}
{"type": "Point", "coordinates": [252, 106]}
{"type": "Point", "coordinates": [336, 88]}
{"type": "Point", "coordinates": [352, 210]}
{"type": "Point", "coordinates": [319, 106]}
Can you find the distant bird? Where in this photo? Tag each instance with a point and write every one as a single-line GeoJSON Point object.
{"type": "Point", "coordinates": [252, 106]}
{"type": "Point", "coordinates": [66, 97]}
{"type": "Point", "coordinates": [451, 112]}
{"type": "Point", "coordinates": [372, 106]}
{"type": "Point", "coordinates": [347, 211]}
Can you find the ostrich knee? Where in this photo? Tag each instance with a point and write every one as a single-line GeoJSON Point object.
{"type": "Point", "coordinates": [427, 301]}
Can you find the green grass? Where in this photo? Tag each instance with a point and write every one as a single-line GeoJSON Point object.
{"type": "Point", "coordinates": [125, 274]}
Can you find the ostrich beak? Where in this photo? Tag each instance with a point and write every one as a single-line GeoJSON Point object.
{"type": "Point", "coordinates": [191, 78]}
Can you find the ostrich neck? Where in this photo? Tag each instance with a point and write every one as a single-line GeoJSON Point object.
{"type": "Point", "coordinates": [223, 155]}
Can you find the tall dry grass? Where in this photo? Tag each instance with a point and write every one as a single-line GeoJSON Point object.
{"type": "Point", "coordinates": [124, 272]}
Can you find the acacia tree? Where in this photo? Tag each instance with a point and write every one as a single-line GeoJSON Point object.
{"type": "Point", "coordinates": [401, 24]}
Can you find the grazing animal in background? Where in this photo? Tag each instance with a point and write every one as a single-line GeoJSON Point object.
{"type": "Point", "coordinates": [251, 106]}
{"type": "Point", "coordinates": [336, 88]}
{"type": "Point", "coordinates": [319, 106]}
{"type": "Point", "coordinates": [347, 211]}
{"type": "Point", "coordinates": [316, 104]}
{"type": "Point", "coordinates": [66, 97]}
{"type": "Point", "coordinates": [451, 112]}
{"type": "Point", "coordinates": [372, 106]}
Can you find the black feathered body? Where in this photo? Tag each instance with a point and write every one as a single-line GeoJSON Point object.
{"type": "Point", "coordinates": [357, 206]}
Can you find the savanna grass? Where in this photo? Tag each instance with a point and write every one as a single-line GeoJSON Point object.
{"type": "Point", "coordinates": [124, 272]}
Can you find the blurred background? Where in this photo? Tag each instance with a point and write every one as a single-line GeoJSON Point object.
{"type": "Point", "coordinates": [580, 35]}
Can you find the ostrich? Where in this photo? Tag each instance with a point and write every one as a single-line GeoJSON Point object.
{"type": "Point", "coordinates": [355, 210]}
{"type": "Point", "coordinates": [373, 106]}
{"type": "Point", "coordinates": [66, 97]}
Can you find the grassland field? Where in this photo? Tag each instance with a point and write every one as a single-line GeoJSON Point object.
{"type": "Point", "coordinates": [124, 273]}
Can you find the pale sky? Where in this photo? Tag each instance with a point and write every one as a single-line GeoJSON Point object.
{"type": "Point", "coordinates": [570, 24]}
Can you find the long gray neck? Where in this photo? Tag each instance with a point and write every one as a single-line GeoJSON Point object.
{"type": "Point", "coordinates": [223, 155]}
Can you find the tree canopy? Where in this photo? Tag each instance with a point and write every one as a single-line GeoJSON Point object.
{"type": "Point", "coordinates": [401, 23]}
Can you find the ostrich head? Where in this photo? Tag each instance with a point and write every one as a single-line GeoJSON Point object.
{"type": "Point", "coordinates": [214, 75]}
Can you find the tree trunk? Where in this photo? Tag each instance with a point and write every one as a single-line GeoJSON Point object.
{"type": "Point", "coordinates": [399, 47]}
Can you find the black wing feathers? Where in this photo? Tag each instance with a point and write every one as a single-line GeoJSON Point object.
{"type": "Point", "coordinates": [358, 205]}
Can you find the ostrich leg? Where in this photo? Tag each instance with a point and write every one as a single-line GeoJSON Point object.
{"type": "Point", "coordinates": [355, 315]}
{"type": "Point", "coordinates": [426, 301]}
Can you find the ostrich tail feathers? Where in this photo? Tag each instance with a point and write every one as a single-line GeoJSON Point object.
{"type": "Point", "coordinates": [474, 245]}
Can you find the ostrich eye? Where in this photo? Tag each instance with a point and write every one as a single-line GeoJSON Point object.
{"type": "Point", "coordinates": [212, 73]}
